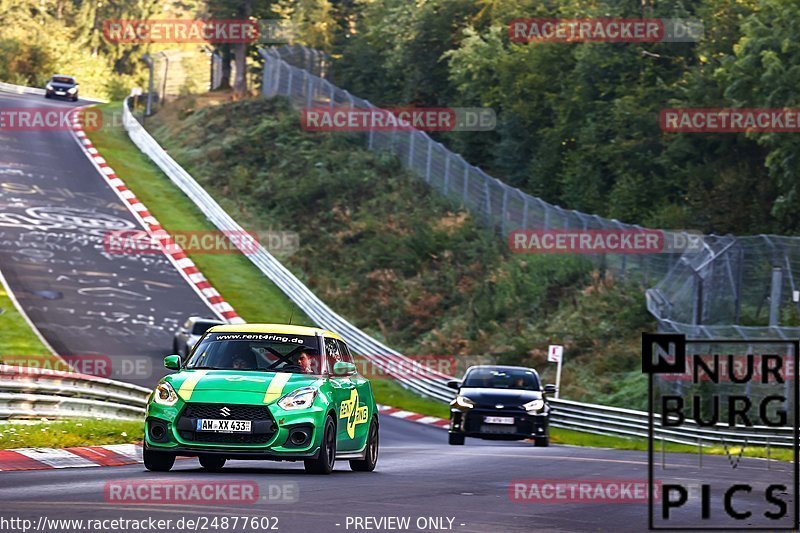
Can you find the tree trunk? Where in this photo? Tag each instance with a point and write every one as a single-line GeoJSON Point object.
{"type": "Point", "coordinates": [240, 76]}
{"type": "Point", "coordinates": [227, 57]}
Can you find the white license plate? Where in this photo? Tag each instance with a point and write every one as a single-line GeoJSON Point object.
{"type": "Point", "coordinates": [223, 426]}
{"type": "Point", "coordinates": [498, 419]}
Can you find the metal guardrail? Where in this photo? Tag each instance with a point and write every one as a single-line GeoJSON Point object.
{"type": "Point", "coordinates": [27, 392]}
{"type": "Point", "coordinates": [19, 89]}
{"type": "Point", "coordinates": [619, 422]}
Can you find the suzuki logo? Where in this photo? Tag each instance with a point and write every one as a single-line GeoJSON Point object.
{"type": "Point", "coordinates": [225, 411]}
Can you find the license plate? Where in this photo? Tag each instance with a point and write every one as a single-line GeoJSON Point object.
{"type": "Point", "coordinates": [499, 419]}
{"type": "Point", "coordinates": [62, 93]}
{"type": "Point", "coordinates": [498, 429]}
{"type": "Point", "coordinates": [223, 426]}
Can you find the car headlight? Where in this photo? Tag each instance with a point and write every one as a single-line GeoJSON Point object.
{"type": "Point", "coordinates": [534, 406]}
{"type": "Point", "coordinates": [463, 402]}
{"type": "Point", "coordinates": [72, 90]}
{"type": "Point", "coordinates": [302, 398]}
{"type": "Point", "coordinates": [49, 87]}
{"type": "Point", "coordinates": [165, 394]}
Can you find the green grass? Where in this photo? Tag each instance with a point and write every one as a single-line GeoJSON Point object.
{"type": "Point", "coordinates": [254, 297]}
{"type": "Point", "coordinates": [19, 345]}
{"type": "Point", "coordinates": [389, 393]}
{"type": "Point", "coordinates": [66, 433]}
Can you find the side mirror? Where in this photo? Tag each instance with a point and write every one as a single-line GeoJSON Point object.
{"type": "Point", "coordinates": [454, 384]}
{"type": "Point", "coordinates": [343, 369]}
{"type": "Point", "coordinates": [550, 389]}
{"type": "Point", "coordinates": [173, 362]}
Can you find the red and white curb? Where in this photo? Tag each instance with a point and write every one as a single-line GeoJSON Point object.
{"type": "Point", "coordinates": [185, 266]}
{"type": "Point", "coordinates": [78, 457]}
{"type": "Point", "coordinates": [131, 454]}
{"type": "Point", "coordinates": [413, 417]}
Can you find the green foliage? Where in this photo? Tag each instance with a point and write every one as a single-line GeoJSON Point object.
{"type": "Point", "coordinates": [45, 38]}
{"type": "Point", "coordinates": [578, 122]}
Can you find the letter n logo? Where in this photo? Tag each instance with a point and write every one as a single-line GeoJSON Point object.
{"type": "Point", "coordinates": [663, 353]}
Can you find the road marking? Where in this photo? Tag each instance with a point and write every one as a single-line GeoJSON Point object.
{"type": "Point", "coordinates": [55, 458]}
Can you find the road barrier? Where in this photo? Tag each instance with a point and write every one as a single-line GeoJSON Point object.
{"type": "Point", "coordinates": [19, 89]}
{"type": "Point", "coordinates": [27, 392]}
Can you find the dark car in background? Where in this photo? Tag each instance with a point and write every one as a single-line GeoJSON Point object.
{"type": "Point", "coordinates": [190, 332]}
{"type": "Point", "coordinates": [500, 403]}
{"type": "Point", "coordinates": [61, 86]}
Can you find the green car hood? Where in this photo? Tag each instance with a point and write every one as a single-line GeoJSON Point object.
{"type": "Point", "coordinates": [233, 386]}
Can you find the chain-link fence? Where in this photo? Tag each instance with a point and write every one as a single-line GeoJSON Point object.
{"type": "Point", "coordinates": [735, 287]}
{"type": "Point", "coordinates": [180, 72]}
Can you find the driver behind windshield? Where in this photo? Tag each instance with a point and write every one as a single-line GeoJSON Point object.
{"type": "Point", "coordinates": [307, 360]}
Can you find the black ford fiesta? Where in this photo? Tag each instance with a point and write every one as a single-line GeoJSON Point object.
{"type": "Point", "coordinates": [501, 403]}
{"type": "Point", "coordinates": [62, 87]}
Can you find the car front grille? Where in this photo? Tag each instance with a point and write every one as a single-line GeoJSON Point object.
{"type": "Point", "coordinates": [236, 412]}
{"type": "Point", "coordinates": [263, 427]}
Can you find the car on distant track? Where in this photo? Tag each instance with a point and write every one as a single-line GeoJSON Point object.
{"type": "Point", "coordinates": [500, 403]}
{"type": "Point", "coordinates": [190, 332]}
{"type": "Point", "coordinates": [63, 87]}
{"type": "Point", "coordinates": [263, 391]}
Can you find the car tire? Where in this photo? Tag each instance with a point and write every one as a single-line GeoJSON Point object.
{"type": "Point", "coordinates": [74, 98]}
{"type": "Point", "coordinates": [47, 96]}
{"type": "Point", "coordinates": [541, 442]}
{"type": "Point", "coordinates": [371, 455]}
{"type": "Point", "coordinates": [212, 463]}
{"type": "Point", "coordinates": [326, 458]}
{"type": "Point", "coordinates": [157, 461]}
{"type": "Point", "coordinates": [455, 439]}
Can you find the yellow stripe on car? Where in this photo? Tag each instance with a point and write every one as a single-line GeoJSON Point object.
{"type": "Point", "coordinates": [276, 387]}
{"type": "Point", "coordinates": [185, 392]}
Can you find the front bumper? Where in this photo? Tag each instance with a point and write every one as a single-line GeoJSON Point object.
{"type": "Point", "coordinates": [471, 423]}
{"type": "Point", "coordinates": [173, 429]}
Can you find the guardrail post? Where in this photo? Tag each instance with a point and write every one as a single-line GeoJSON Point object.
{"type": "Point", "coordinates": [411, 149]}
{"type": "Point", "coordinates": [466, 183]}
{"type": "Point", "coordinates": [775, 295]}
{"type": "Point", "coordinates": [697, 312]}
{"type": "Point", "coordinates": [428, 162]}
{"type": "Point", "coordinates": [447, 174]}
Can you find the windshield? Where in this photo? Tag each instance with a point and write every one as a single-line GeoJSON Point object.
{"type": "Point", "coordinates": [62, 79]}
{"type": "Point", "coordinates": [257, 352]}
{"type": "Point", "coordinates": [493, 378]}
{"type": "Point", "coordinates": [201, 327]}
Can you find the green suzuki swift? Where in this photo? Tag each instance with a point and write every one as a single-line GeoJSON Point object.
{"type": "Point", "coordinates": [263, 391]}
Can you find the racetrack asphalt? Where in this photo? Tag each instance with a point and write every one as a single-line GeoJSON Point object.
{"type": "Point", "coordinates": [419, 476]}
{"type": "Point", "coordinates": [54, 211]}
